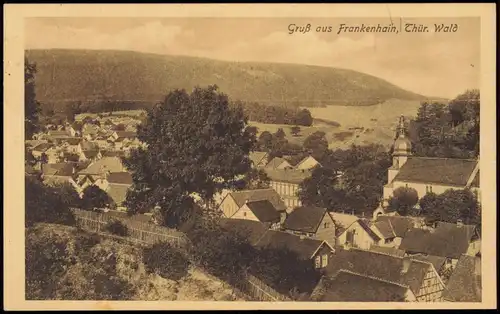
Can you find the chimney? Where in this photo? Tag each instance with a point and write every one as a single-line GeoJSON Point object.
{"type": "Point", "coordinates": [460, 223]}
{"type": "Point", "coordinates": [406, 265]}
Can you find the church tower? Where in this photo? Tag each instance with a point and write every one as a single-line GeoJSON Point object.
{"type": "Point", "coordinates": [402, 150]}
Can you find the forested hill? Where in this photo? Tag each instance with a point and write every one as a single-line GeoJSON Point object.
{"type": "Point", "coordinates": [84, 75]}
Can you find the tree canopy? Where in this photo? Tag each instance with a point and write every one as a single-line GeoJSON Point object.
{"type": "Point", "coordinates": [196, 143]}
{"type": "Point", "coordinates": [403, 201]}
{"type": "Point", "coordinates": [94, 197]}
{"type": "Point", "coordinates": [31, 105]}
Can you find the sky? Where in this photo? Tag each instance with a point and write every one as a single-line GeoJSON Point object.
{"type": "Point", "coordinates": [429, 63]}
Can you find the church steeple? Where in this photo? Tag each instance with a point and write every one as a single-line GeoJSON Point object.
{"type": "Point", "coordinates": [402, 145]}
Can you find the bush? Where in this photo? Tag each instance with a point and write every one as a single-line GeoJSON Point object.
{"type": "Point", "coordinates": [165, 260]}
{"type": "Point", "coordinates": [403, 201]}
{"type": "Point", "coordinates": [116, 227]}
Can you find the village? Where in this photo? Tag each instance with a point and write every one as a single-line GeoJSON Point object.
{"type": "Point", "coordinates": [382, 257]}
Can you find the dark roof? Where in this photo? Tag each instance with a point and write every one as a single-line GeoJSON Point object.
{"type": "Point", "coordinates": [400, 224]}
{"type": "Point", "coordinates": [240, 197]}
{"type": "Point", "coordinates": [305, 219]}
{"type": "Point", "coordinates": [264, 211]}
{"type": "Point", "coordinates": [446, 240]}
{"type": "Point", "coordinates": [387, 250]}
{"type": "Point", "coordinates": [475, 181]}
{"type": "Point", "coordinates": [383, 266]}
{"type": "Point", "coordinates": [465, 283]}
{"type": "Point", "coordinates": [120, 178]}
{"type": "Point", "coordinates": [385, 229]}
{"type": "Point", "coordinates": [58, 169]}
{"type": "Point", "coordinates": [446, 171]}
{"type": "Point", "coordinates": [287, 175]}
{"type": "Point", "coordinates": [117, 192]}
{"type": "Point", "coordinates": [348, 286]}
{"type": "Point", "coordinates": [365, 225]}
{"type": "Point", "coordinates": [248, 229]}
{"type": "Point", "coordinates": [303, 247]}
{"type": "Point", "coordinates": [43, 147]}
{"type": "Point", "coordinates": [91, 153]}
{"type": "Point", "coordinates": [436, 261]}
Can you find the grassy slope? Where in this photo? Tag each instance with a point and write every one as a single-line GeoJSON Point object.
{"type": "Point", "coordinates": [82, 75]}
{"type": "Point", "coordinates": [195, 286]}
{"type": "Point", "coordinates": [381, 119]}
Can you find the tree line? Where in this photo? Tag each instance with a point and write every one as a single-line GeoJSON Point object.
{"type": "Point", "coordinates": [275, 114]}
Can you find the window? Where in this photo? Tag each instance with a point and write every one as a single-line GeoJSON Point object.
{"type": "Point", "coordinates": [430, 188]}
{"type": "Point", "coordinates": [317, 262]}
{"type": "Point", "coordinates": [324, 260]}
{"type": "Point", "coordinates": [326, 225]}
{"type": "Point", "coordinates": [406, 185]}
{"type": "Point", "coordinates": [244, 214]}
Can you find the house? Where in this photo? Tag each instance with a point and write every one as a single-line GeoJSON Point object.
{"type": "Point", "coordinates": [318, 251]}
{"type": "Point", "coordinates": [286, 182]}
{"type": "Point", "coordinates": [91, 155]}
{"type": "Point", "coordinates": [233, 201]}
{"type": "Point", "coordinates": [119, 184]}
{"type": "Point", "coordinates": [40, 149]}
{"type": "Point", "coordinates": [262, 211]}
{"type": "Point", "coordinates": [348, 286]}
{"type": "Point", "coordinates": [98, 168]}
{"type": "Point", "coordinates": [59, 134]}
{"type": "Point", "coordinates": [311, 221]}
{"type": "Point", "coordinates": [90, 131]}
{"type": "Point", "coordinates": [358, 235]}
{"type": "Point", "coordinates": [110, 178]}
{"type": "Point", "coordinates": [390, 251]}
{"type": "Point", "coordinates": [342, 220]}
{"type": "Point", "coordinates": [308, 163]}
{"type": "Point", "coordinates": [437, 261]}
{"type": "Point", "coordinates": [445, 240]}
{"type": "Point", "coordinates": [465, 284]}
{"type": "Point", "coordinates": [279, 163]}
{"type": "Point", "coordinates": [259, 159]}
{"type": "Point", "coordinates": [386, 225]}
{"type": "Point", "coordinates": [72, 145]}
{"type": "Point", "coordinates": [33, 143]}
{"type": "Point", "coordinates": [260, 236]}
{"type": "Point", "coordinates": [60, 173]}
{"type": "Point", "coordinates": [425, 174]}
{"type": "Point", "coordinates": [420, 277]}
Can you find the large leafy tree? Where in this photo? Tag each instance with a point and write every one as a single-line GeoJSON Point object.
{"type": "Point", "coordinates": [95, 198]}
{"type": "Point", "coordinates": [316, 144]}
{"type": "Point", "coordinates": [196, 144]}
{"type": "Point", "coordinates": [403, 201]}
{"type": "Point", "coordinates": [31, 105]}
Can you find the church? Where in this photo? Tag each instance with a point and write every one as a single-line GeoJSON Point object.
{"type": "Point", "coordinates": [427, 174]}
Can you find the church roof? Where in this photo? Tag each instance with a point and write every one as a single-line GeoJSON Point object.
{"type": "Point", "coordinates": [445, 171]}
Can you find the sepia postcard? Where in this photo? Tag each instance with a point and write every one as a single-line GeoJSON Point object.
{"type": "Point", "coordinates": [249, 156]}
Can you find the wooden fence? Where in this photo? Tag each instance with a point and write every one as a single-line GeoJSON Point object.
{"type": "Point", "coordinates": [138, 230]}
{"type": "Point", "coordinates": [259, 291]}
{"type": "Point", "coordinates": [148, 233]}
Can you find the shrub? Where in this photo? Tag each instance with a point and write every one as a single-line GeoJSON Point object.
{"type": "Point", "coordinates": [165, 260]}
{"type": "Point", "coordinates": [116, 227]}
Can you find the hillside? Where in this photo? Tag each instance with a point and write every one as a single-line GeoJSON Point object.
{"type": "Point", "coordinates": [71, 75]}
{"type": "Point", "coordinates": [66, 263]}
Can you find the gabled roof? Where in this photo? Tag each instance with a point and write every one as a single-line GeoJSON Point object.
{"type": "Point", "coordinates": [117, 192]}
{"type": "Point", "coordinates": [59, 134]}
{"type": "Point", "coordinates": [248, 229]}
{"type": "Point", "coordinates": [264, 211]}
{"type": "Point", "coordinates": [240, 197]}
{"type": "Point", "coordinates": [436, 261]}
{"type": "Point", "coordinates": [43, 147]}
{"type": "Point", "coordinates": [465, 284]}
{"type": "Point", "coordinates": [303, 247]}
{"type": "Point", "coordinates": [401, 270]}
{"type": "Point", "coordinates": [91, 153]}
{"type": "Point", "coordinates": [349, 286]}
{"type": "Point", "coordinates": [305, 159]}
{"type": "Point", "coordinates": [120, 178]}
{"type": "Point", "coordinates": [257, 157]}
{"type": "Point", "coordinates": [475, 181]}
{"type": "Point", "coordinates": [446, 240]}
{"type": "Point", "coordinates": [445, 171]}
{"type": "Point", "coordinates": [400, 224]}
{"type": "Point", "coordinates": [34, 143]}
{"type": "Point", "coordinates": [385, 229]}
{"type": "Point", "coordinates": [305, 219]}
{"type": "Point", "coordinates": [58, 169]}
{"type": "Point", "coordinates": [111, 164]}
{"type": "Point", "coordinates": [276, 162]}
{"type": "Point", "coordinates": [287, 175]}
{"type": "Point", "coordinates": [343, 220]}
{"type": "Point", "coordinates": [365, 225]}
